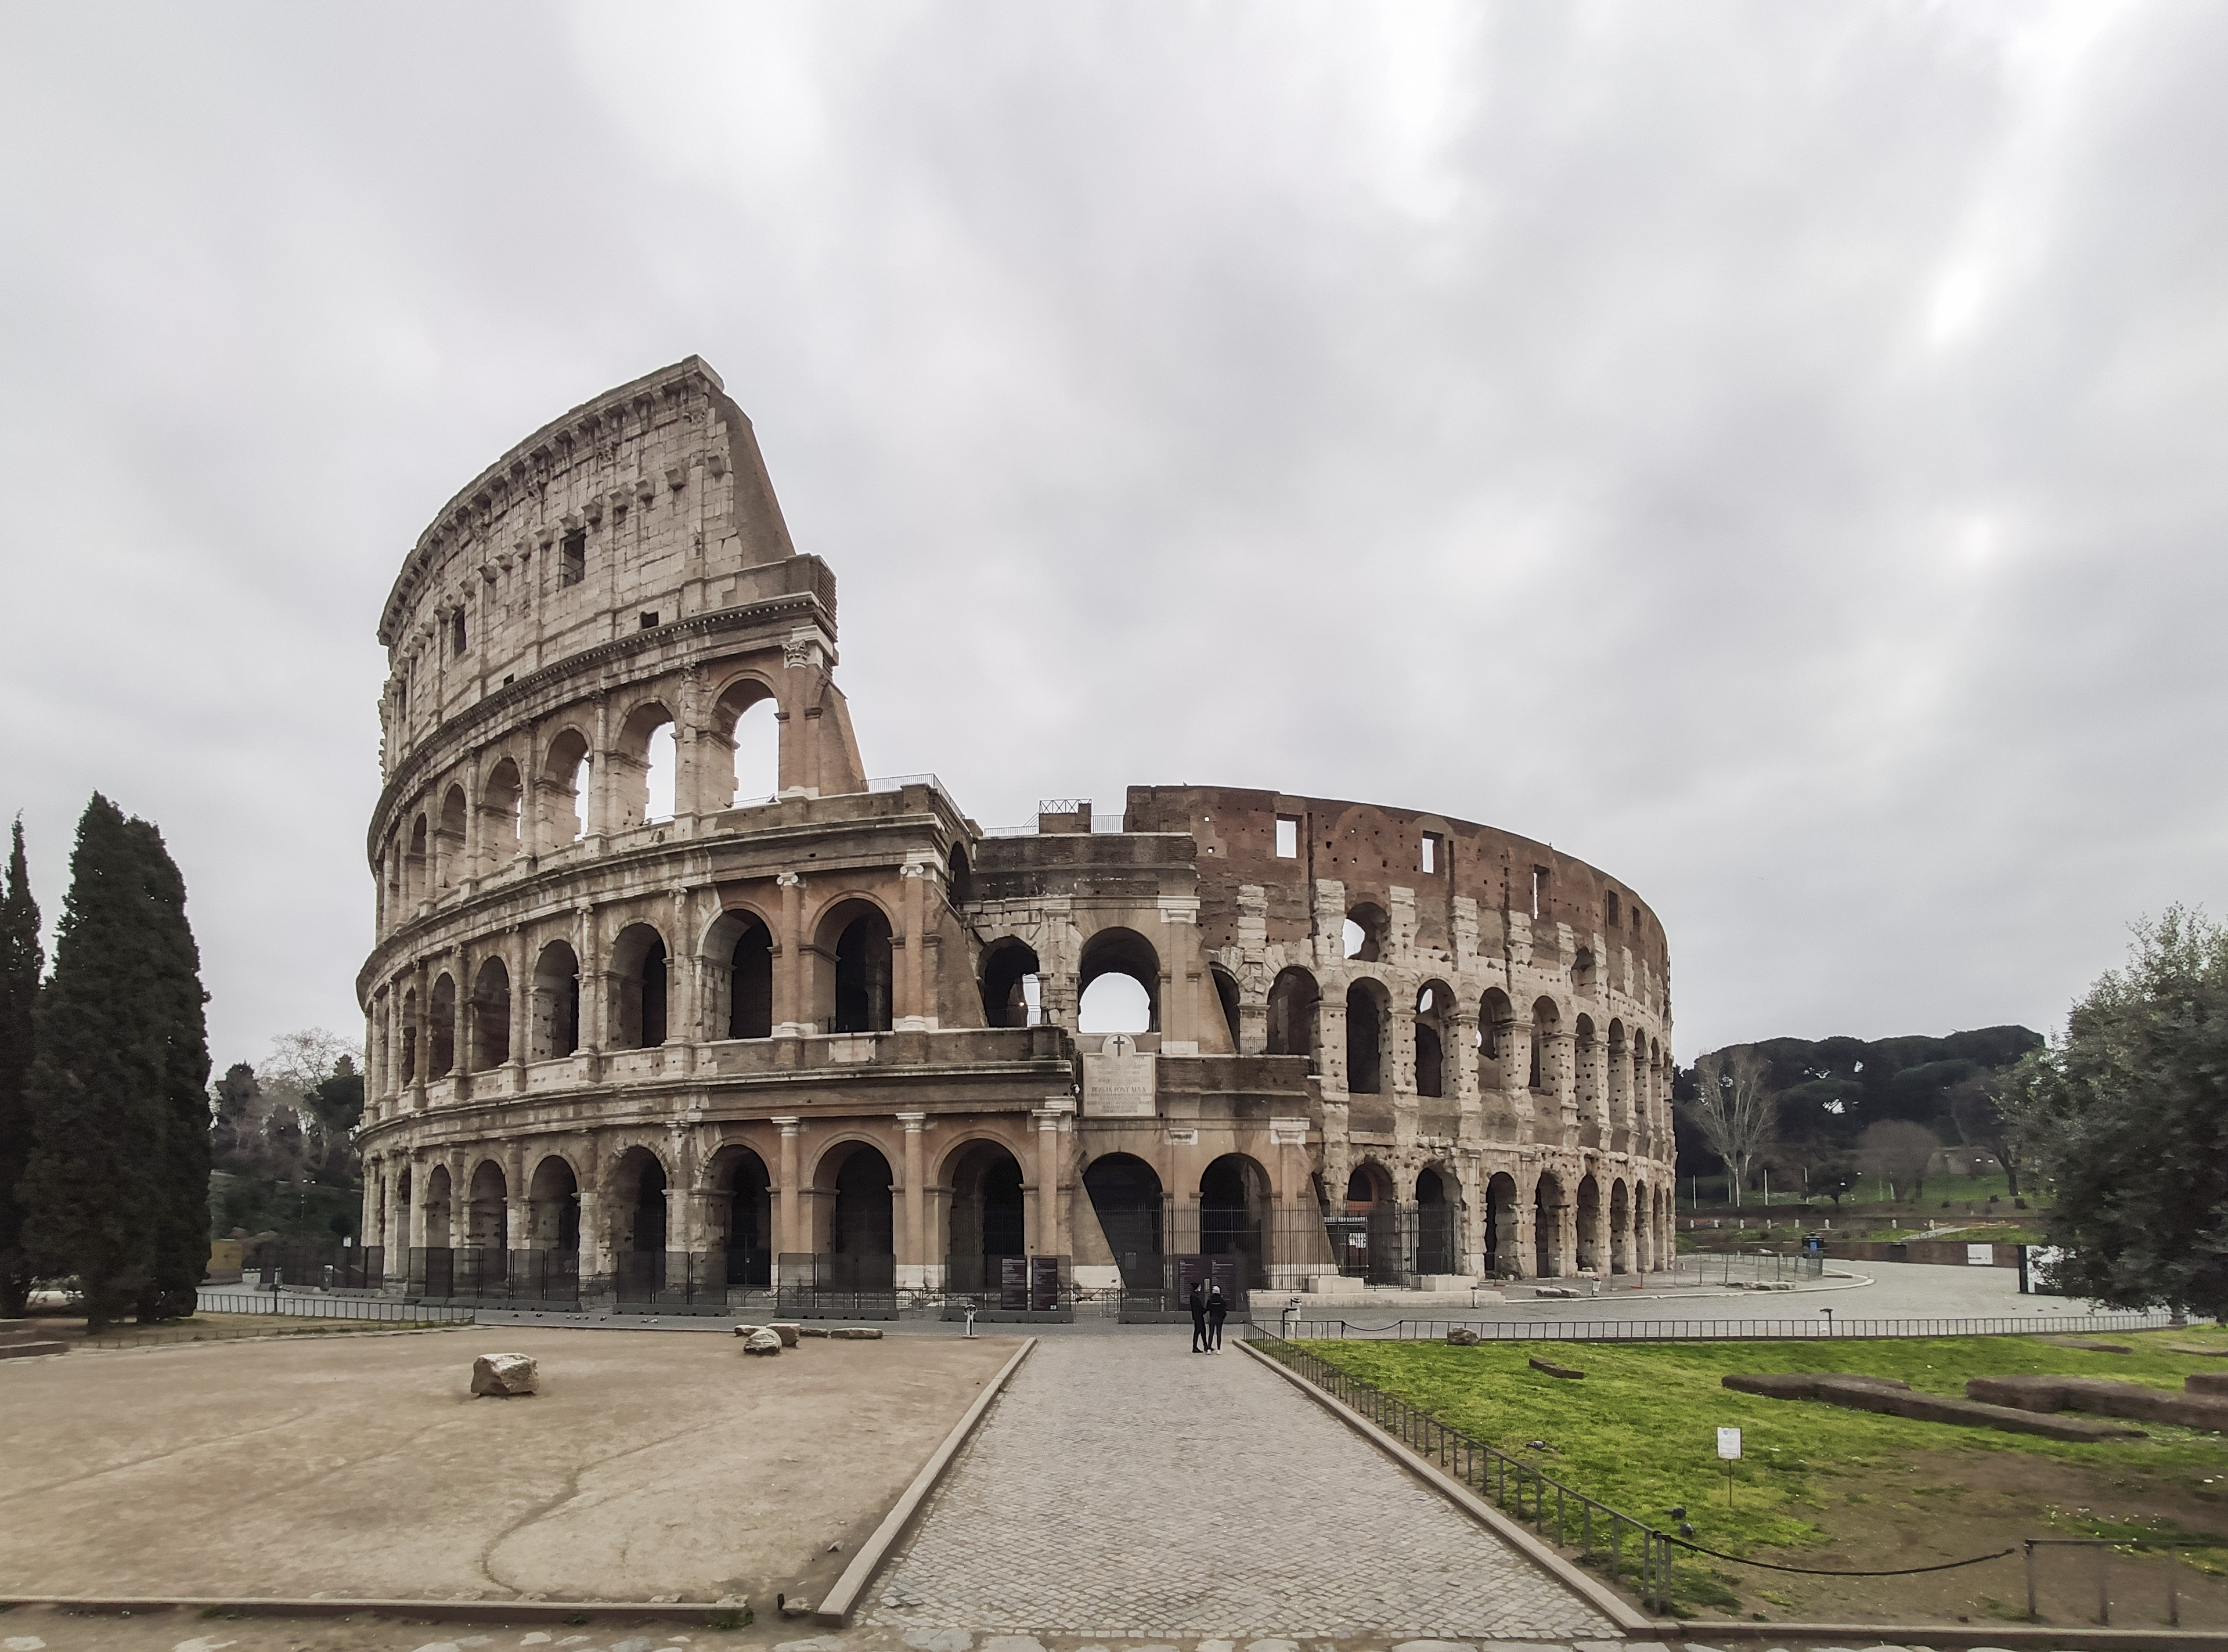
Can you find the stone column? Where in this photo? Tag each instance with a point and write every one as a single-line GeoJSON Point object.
{"type": "Point", "coordinates": [912, 1013]}
{"type": "Point", "coordinates": [1458, 1056]}
{"type": "Point", "coordinates": [915, 1210]}
{"type": "Point", "coordinates": [1048, 1181]}
{"type": "Point", "coordinates": [793, 986]}
{"type": "Point", "coordinates": [466, 1023]}
{"type": "Point", "coordinates": [786, 1185]}
{"type": "Point", "coordinates": [589, 949]}
{"type": "Point", "coordinates": [1524, 1264]}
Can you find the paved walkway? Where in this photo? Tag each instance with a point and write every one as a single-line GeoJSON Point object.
{"type": "Point", "coordinates": [1125, 1486]}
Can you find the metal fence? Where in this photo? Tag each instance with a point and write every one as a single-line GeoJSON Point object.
{"type": "Point", "coordinates": [1603, 1533]}
{"type": "Point", "coordinates": [670, 1279]}
{"type": "Point", "coordinates": [295, 1305]}
{"type": "Point", "coordinates": [444, 1273]}
{"type": "Point", "coordinates": [810, 1285]}
{"type": "Point", "coordinates": [1821, 1328]}
{"type": "Point", "coordinates": [329, 1267]}
{"type": "Point", "coordinates": [1744, 1267]}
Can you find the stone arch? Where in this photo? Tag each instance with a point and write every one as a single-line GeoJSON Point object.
{"type": "Point", "coordinates": [1366, 1004]}
{"type": "Point", "coordinates": [1590, 1245]}
{"type": "Point", "coordinates": [1125, 1193]}
{"type": "Point", "coordinates": [414, 877]}
{"type": "Point", "coordinates": [640, 970]}
{"type": "Point", "coordinates": [855, 1176]}
{"type": "Point", "coordinates": [1435, 1016]}
{"type": "Point", "coordinates": [853, 966]}
{"type": "Point", "coordinates": [556, 1002]}
{"type": "Point", "coordinates": [959, 877]}
{"type": "Point", "coordinates": [487, 1223]}
{"type": "Point", "coordinates": [1438, 1221]}
{"type": "Point", "coordinates": [438, 1209]}
{"type": "Point", "coordinates": [1643, 1227]}
{"type": "Point", "coordinates": [1496, 1016]}
{"type": "Point", "coordinates": [987, 1218]}
{"type": "Point", "coordinates": [553, 1205]}
{"type": "Point", "coordinates": [1617, 1064]}
{"type": "Point", "coordinates": [1009, 965]}
{"type": "Point", "coordinates": [1503, 1256]}
{"type": "Point", "coordinates": [738, 956]}
{"type": "Point", "coordinates": [1234, 1199]}
{"type": "Point", "coordinates": [1225, 993]}
{"type": "Point", "coordinates": [640, 1186]}
{"type": "Point", "coordinates": [626, 783]}
{"type": "Point", "coordinates": [1369, 1183]}
{"type": "Point", "coordinates": [502, 800]}
{"type": "Point", "coordinates": [739, 697]}
{"type": "Point", "coordinates": [490, 1013]}
{"type": "Point", "coordinates": [1117, 951]}
{"type": "Point", "coordinates": [1367, 934]}
{"type": "Point", "coordinates": [1546, 1022]}
{"type": "Point", "coordinates": [409, 1059]}
{"type": "Point", "coordinates": [1547, 1225]}
{"type": "Point", "coordinates": [451, 837]}
{"type": "Point", "coordinates": [441, 1027]}
{"type": "Point", "coordinates": [1293, 997]}
{"type": "Point", "coordinates": [566, 774]}
{"type": "Point", "coordinates": [1619, 1226]}
{"type": "Point", "coordinates": [742, 1205]}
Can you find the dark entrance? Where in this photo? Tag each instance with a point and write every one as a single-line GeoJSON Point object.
{"type": "Point", "coordinates": [1125, 1193]}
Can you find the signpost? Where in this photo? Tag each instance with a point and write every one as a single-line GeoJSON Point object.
{"type": "Point", "coordinates": [1729, 1448]}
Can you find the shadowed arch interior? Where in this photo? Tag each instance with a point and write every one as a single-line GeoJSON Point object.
{"type": "Point", "coordinates": [1125, 1195]}
{"type": "Point", "coordinates": [986, 1222]}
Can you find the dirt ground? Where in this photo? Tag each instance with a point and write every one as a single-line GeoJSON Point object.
{"type": "Point", "coordinates": [649, 1466]}
{"type": "Point", "coordinates": [1876, 1521]}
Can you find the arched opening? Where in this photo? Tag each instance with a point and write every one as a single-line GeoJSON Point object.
{"type": "Point", "coordinates": [1363, 935]}
{"type": "Point", "coordinates": [1585, 1051]}
{"type": "Point", "coordinates": [1644, 1212]}
{"type": "Point", "coordinates": [1370, 1239]}
{"type": "Point", "coordinates": [1437, 1225]}
{"type": "Point", "coordinates": [986, 1225]}
{"type": "Point", "coordinates": [491, 1014]}
{"type": "Point", "coordinates": [1365, 1038]}
{"type": "Point", "coordinates": [1583, 973]}
{"type": "Point", "coordinates": [739, 1176]}
{"type": "Point", "coordinates": [638, 977]}
{"type": "Point", "coordinates": [553, 1201]}
{"type": "Point", "coordinates": [1125, 1192]}
{"type": "Point", "coordinates": [502, 803]}
{"type": "Point", "coordinates": [556, 1002]}
{"type": "Point", "coordinates": [565, 779]}
{"type": "Point", "coordinates": [1546, 1020]}
{"type": "Point", "coordinates": [745, 944]}
{"type": "Point", "coordinates": [1234, 1202]}
{"type": "Point", "coordinates": [746, 719]}
{"type": "Point", "coordinates": [1502, 1258]}
{"type": "Point", "coordinates": [645, 741]}
{"type": "Point", "coordinates": [441, 1029]}
{"type": "Point", "coordinates": [1435, 1008]}
{"type": "Point", "coordinates": [1120, 979]}
{"type": "Point", "coordinates": [638, 1220]}
{"type": "Point", "coordinates": [487, 1224]}
{"type": "Point", "coordinates": [450, 850]}
{"type": "Point", "coordinates": [1620, 1228]}
{"type": "Point", "coordinates": [861, 982]}
{"type": "Point", "coordinates": [410, 1073]}
{"type": "Point", "coordinates": [1225, 993]}
{"type": "Point", "coordinates": [1495, 1018]}
{"type": "Point", "coordinates": [1546, 1227]}
{"type": "Point", "coordinates": [861, 1232]}
{"type": "Point", "coordinates": [413, 863]}
{"type": "Point", "coordinates": [1292, 1003]}
{"type": "Point", "coordinates": [1009, 985]}
{"type": "Point", "coordinates": [959, 877]}
{"type": "Point", "coordinates": [1589, 1216]}
{"type": "Point", "coordinates": [438, 1230]}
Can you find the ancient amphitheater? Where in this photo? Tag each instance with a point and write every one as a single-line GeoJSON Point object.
{"type": "Point", "coordinates": [630, 1033]}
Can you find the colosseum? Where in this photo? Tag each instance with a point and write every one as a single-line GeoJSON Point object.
{"type": "Point", "coordinates": [653, 1021]}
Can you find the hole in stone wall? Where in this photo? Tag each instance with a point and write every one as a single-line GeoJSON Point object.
{"type": "Point", "coordinates": [1114, 1003]}
{"type": "Point", "coordinates": [757, 755]}
{"type": "Point", "coordinates": [664, 763]}
{"type": "Point", "coordinates": [1288, 839]}
{"type": "Point", "coordinates": [572, 558]}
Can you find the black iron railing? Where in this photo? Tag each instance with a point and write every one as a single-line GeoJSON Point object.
{"type": "Point", "coordinates": [1822, 1327]}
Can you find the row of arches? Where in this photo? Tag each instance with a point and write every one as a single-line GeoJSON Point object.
{"type": "Point", "coordinates": [652, 766]}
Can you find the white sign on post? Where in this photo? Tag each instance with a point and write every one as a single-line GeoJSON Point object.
{"type": "Point", "coordinates": [1729, 1444]}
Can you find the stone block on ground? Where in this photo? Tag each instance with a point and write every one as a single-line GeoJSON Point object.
{"type": "Point", "coordinates": [2206, 1382]}
{"type": "Point", "coordinates": [789, 1334]}
{"type": "Point", "coordinates": [504, 1376]}
{"type": "Point", "coordinates": [2104, 1396]}
{"type": "Point", "coordinates": [762, 1342]}
{"type": "Point", "coordinates": [1462, 1338]}
{"type": "Point", "coordinates": [1568, 1373]}
{"type": "Point", "coordinates": [748, 1330]}
{"type": "Point", "coordinates": [2087, 1344]}
{"type": "Point", "coordinates": [858, 1333]}
{"type": "Point", "coordinates": [2203, 1350]}
{"type": "Point", "coordinates": [1891, 1397]}
{"type": "Point", "coordinates": [812, 1330]}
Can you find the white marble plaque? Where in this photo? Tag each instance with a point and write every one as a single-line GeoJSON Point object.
{"type": "Point", "coordinates": [1119, 1082]}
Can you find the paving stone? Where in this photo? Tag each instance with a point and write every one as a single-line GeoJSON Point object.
{"type": "Point", "coordinates": [938, 1640]}
{"type": "Point", "coordinates": [816, 1643]}
{"type": "Point", "coordinates": [1221, 1505]}
{"type": "Point", "coordinates": [1272, 1646]}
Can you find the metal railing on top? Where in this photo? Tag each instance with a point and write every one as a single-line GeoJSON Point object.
{"type": "Point", "coordinates": [293, 1305]}
{"type": "Point", "coordinates": [1516, 1486]}
{"type": "Point", "coordinates": [1823, 1327]}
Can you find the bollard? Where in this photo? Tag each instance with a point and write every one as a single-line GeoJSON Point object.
{"type": "Point", "coordinates": [970, 1323]}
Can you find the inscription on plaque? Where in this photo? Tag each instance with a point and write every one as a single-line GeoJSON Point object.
{"type": "Point", "coordinates": [1119, 1082]}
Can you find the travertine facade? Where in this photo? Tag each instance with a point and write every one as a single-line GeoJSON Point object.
{"type": "Point", "coordinates": [804, 1026]}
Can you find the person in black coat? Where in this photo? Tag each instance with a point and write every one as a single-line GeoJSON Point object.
{"type": "Point", "coordinates": [1217, 1310]}
{"type": "Point", "coordinates": [1198, 1319]}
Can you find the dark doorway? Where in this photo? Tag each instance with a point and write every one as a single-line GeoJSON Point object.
{"type": "Point", "coordinates": [1126, 1195]}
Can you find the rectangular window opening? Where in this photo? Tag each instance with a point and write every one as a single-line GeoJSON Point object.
{"type": "Point", "coordinates": [1432, 852]}
{"type": "Point", "coordinates": [1538, 889]}
{"type": "Point", "coordinates": [1288, 838]}
{"type": "Point", "coordinates": [573, 562]}
{"type": "Point", "coordinates": [650, 622]}
{"type": "Point", "coordinates": [457, 636]}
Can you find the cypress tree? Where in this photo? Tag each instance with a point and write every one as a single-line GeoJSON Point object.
{"type": "Point", "coordinates": [180, 1174]}
{"type": "Point", "coordinates": [99, 1124]}
{"type": "Point", "coordinates": [21, 965]}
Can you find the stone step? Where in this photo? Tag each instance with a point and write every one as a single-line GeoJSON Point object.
{"type": "Point", "coordinates": [21, 1350]}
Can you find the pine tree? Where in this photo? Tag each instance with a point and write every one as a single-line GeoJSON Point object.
{"type": "Point", "coordinates": [180, 1174]}
{"type": "Point", "coordinates": [21, 965]}
{"type": "Point", "coordinates": [97, 1092]}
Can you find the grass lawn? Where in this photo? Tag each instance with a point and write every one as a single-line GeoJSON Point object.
{"type": "Point", "coordinates": [1817, 1484]}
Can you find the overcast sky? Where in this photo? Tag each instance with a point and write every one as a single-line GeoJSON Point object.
{"type": "Point", "coordinates": [1773, 453]}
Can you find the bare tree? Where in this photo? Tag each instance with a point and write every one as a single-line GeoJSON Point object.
{"type": "Point", "coordinates": [1900, 1151]}
{"type": "Point", "coordinates": [1735, 1110]}
{"type": "Point", "coordinates": [1976, 1107]}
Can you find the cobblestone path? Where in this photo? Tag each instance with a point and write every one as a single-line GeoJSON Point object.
{"type": "Point", "coordinates": [1125, 1486]}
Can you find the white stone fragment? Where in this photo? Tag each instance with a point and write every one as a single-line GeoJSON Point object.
{"type": "Point", "coordinates": [501, 1376]}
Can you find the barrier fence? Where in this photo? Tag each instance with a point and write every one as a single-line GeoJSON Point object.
{"type": "Point", "coordinates": [1746, 1267]}
{"type": "Point", "coordinates": [297, 1305]}
{"type": "Point", "coordinates": [1823, 1327]}
{"type": "Point", "coordinates": [1517, 1487]}
{"type": "Point", "coordinates": [444, 1273]}
{"type": "Point", "coordinates": [328, 1267]}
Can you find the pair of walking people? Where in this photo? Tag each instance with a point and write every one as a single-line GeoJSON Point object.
{"type": "Point", "coordinates": [1208, 1309]}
